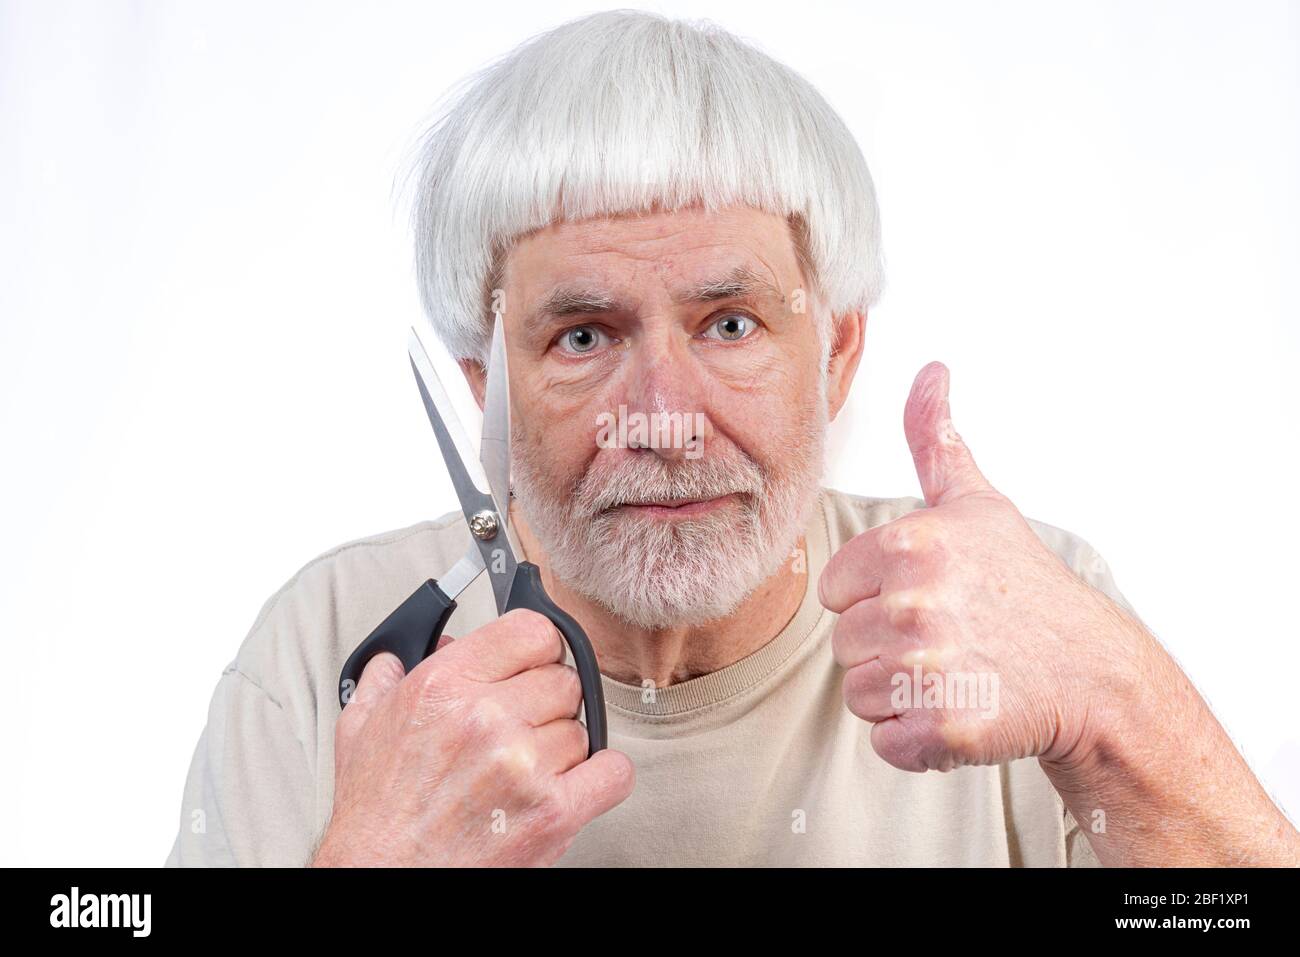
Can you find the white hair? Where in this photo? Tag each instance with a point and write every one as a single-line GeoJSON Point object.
{"type": "Point", "coordinates": [624, 112]}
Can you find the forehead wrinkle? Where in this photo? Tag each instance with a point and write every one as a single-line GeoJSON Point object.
{"type": "Point", "coordinates": [579, 297]}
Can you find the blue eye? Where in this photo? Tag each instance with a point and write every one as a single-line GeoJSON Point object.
{"type": "Point", "coordinates": [581, 339]}
{"type": "Point", "coordinates": [730, 327]}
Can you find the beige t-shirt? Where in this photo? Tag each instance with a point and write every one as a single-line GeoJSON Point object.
{"type": "Point", "coordinates": [759, 763]}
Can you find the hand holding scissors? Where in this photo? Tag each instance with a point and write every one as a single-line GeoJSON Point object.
{"type": "Point", "coordinates": [482, 483]}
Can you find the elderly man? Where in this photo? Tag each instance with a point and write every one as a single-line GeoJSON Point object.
{"type": "Point", "coordinates": [670, 224]}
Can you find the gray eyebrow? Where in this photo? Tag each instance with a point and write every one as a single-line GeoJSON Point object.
{"type": "Point", "coordinates": [740, 283]}
{"type": "Point", "coordinates": [571, 301]}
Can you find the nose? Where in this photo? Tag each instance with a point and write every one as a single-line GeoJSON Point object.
{"type": "Point", "coordinates": [664, 398]}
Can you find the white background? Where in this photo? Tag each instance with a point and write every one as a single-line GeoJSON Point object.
{"type": "Point", "coordinates": [1090, 213]}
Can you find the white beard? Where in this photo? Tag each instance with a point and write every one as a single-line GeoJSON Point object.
{"type": "Point", "coordinates": [656, 574]}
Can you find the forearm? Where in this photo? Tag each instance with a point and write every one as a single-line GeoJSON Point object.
{"type": "Point", "coordinates": [1171, 787]}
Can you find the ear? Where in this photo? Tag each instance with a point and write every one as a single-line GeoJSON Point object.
{"type": "Point", "coordinates": [476, 375]}
{"type": "Point", "coordinates": [848, 334]}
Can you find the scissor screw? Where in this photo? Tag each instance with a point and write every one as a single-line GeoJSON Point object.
{"type": "Point", "coordinates": [483, 525]}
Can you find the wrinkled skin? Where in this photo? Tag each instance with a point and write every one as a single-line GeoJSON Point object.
{"type": "Point", "coordinates": [475, 758]}
{"type": "Point", "coordinates": [966, 586]}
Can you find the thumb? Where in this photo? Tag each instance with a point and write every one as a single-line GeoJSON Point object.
{"type": "Point", "coordinates": [381, 674]}
{"type": "Point", "coordinates": [943, 463]}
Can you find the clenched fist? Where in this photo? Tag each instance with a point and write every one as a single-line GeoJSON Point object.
{"type": "Point", "coordinates": [476, 757]}
{"type": "Point", "coordinates": [1012, 649]}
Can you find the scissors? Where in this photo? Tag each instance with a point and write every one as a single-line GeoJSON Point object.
{"type": "Point", "coordinates": [482, 484]}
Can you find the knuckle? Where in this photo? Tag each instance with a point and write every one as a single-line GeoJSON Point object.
{"type": "Point", "coordinates": [892, 539]}
{"type": "Point", "coordinates": [514, 760]}
{"type": "Point", "coordinates": [481, 716]}
{"type": "Point", "coordinates": [851, 690]}
{"type": "Point", "coordinates": [889, 740]}
{"type": "Point", "coordinates": [847, 576]}
{"type": "Point", "coordinates": [930, 658]}
{"type": "Point", "coordinates": [431, 683]}
{"type": "Point", "coordinates": [959, 735]}
{"type": "Point", "coordinates": [576, 734]}
{"type": "Point", "coordinates": [469, 722]}
{"type": "Point", "coordinates": [855, 632]}
{"type": "Point", "coordinates": [862, 683]}
{"type": "Point", "coordinates": [532, 630]}
{"type": "Point", "coordinates": [909, 609]}
{"type": "Point", "coordinates": [913, 536]}
{"type": "Point", "coordinates": [570, 684]}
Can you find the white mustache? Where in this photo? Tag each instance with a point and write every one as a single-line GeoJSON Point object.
{"type": "Point", "coordinates": [645, 479]}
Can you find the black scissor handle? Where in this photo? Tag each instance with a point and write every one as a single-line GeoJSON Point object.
{"type": "Point", "coordinates": [411, 632]}
{"type": "Point", "coordinates": [527, 592]}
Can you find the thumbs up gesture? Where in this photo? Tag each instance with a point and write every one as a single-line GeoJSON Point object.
{"type": "Point", "coordinates": [965, 639]}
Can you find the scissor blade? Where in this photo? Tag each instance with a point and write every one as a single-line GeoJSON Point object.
{"type": "Point", "coordinates": [466, 473]}
{"type": "Point", "coordinates": [494, 448]}
{"type": "Point", "coordinates": [467, 477]}
{"type": "Point", "coordinates": [462, 574]}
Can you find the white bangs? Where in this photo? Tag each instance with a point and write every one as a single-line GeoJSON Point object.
{"type": "Point", "coordinates": [626, 112]}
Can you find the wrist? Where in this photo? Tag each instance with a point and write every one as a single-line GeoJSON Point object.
{"type": "Point", "coordinates": [1109, 703]}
